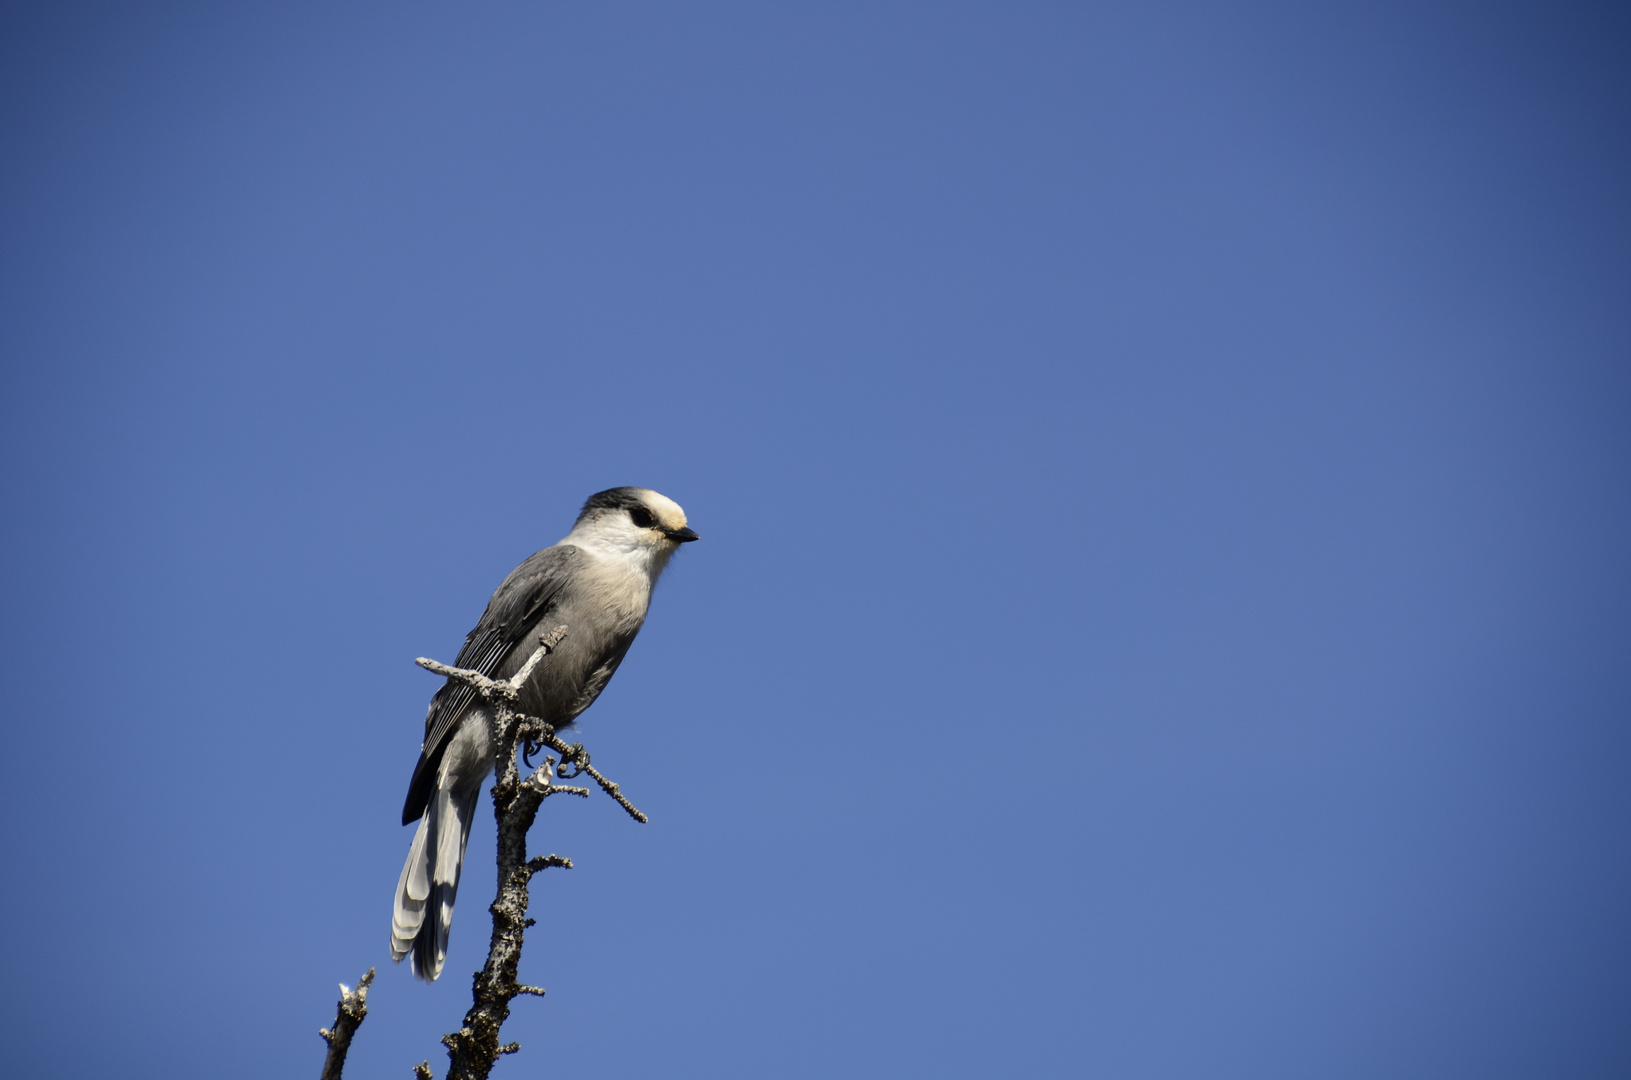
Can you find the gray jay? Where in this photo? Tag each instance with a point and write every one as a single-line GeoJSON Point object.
{"type": "Point", "coordinates": [596, 582]}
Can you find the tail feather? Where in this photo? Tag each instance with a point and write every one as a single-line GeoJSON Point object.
{"type": "Point", "coordinates": [430, 878]}
{"type": "Point", "coordinates": [412, 889]}
{"type": "Point", "coordinates": [423, 914]}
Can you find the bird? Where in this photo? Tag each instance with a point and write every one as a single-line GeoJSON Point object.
{"type": "Point", "coordinates": [596, 582]}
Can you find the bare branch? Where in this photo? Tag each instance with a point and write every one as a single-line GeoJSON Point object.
{"type": "Point", "coordinates": [474, 1048]}
{"type": "Point", "coordinates": [353, 1008]}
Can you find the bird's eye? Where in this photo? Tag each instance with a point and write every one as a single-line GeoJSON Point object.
{"type": "Point", "coordinates": [642, 517]}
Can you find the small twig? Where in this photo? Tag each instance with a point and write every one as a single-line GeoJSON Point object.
{"type": "Point", "coordinates": [577, 757]}
{"type": "Point", "coordinates": [507, 689]}
{"type": "Point", "coordinates": [541, 781]}
{"type": "Point", "coordinates": [546, 645]}
{"type": "Point", "coordinates": [352, 1010]}
{"type": "Point", "coordinates": [614, 791]}
{"type": "Point", "coordinates": [475, 679]}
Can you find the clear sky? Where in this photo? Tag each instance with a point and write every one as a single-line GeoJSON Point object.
{"type": "Point", "coordinates": [1163, 607]}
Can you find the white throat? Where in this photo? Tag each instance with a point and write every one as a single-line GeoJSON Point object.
{"type": "Point", "coordinates": [634, 551]}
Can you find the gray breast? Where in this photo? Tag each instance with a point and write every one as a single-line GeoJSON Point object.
{"type": "Point", "coordinates": [603, 610]}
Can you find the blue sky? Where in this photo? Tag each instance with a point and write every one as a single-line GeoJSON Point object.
{"type": "Point", "coordinates": [1162, 608]}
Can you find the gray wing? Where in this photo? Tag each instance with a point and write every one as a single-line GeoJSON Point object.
{"type": "Point", "coordinates": [525, 596]}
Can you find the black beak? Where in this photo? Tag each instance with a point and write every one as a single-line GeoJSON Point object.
{"type": "Point", "coordinates": [680, 536]}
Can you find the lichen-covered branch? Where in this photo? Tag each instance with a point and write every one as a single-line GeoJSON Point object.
{"type": "Point", "coordinates": [352, 1010]}
{"type": "Point", "coordinates": [474, 1048]}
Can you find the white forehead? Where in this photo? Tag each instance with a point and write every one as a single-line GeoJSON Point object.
{"type": "Point", "coordinates": [665, 510]}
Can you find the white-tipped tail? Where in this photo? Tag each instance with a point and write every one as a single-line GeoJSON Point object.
{"type": "Point", "coordinates": [412, 889]}
{"type": "Point", "coordinates": [423, 913]}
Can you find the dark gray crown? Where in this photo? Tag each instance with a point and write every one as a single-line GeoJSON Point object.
{"type": "Point", "coordinates": [617, 498]}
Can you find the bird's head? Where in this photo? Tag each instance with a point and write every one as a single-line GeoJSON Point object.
{"type": "Point", "coordinates": [633, 520]}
